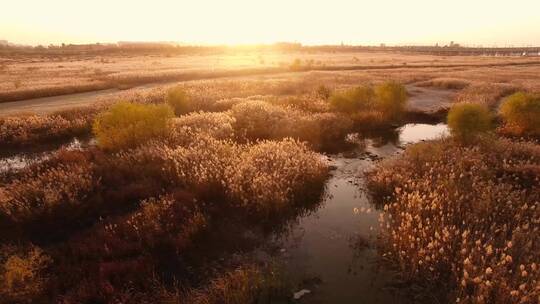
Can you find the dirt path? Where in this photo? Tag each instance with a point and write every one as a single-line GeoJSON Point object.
{"type": "Point", "coordinates": [50, 104]}
{"type": "Point", "coordinates": [424, 99]}
{"type": "Point", "coordinates": [421, 99]}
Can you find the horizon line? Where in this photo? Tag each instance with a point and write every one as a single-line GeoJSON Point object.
{"type": "Point", "coordinates": [6, 42]}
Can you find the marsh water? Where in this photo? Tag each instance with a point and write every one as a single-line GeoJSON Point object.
{"type": "Point", "coordinates": [332, 251]}
{"type": "Point", "coordinates": [15, 159]}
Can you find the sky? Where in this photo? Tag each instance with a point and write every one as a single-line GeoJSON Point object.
{"type": "Point", "coordinates": [365, 22]}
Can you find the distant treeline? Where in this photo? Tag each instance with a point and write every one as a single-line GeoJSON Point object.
{"type": "Point", "coordinates": [138, 48]}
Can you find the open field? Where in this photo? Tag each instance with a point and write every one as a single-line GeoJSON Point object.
{"type": "Point", "coordinates": [487, 84]}
{"type": "Point", "coordinates": [259, 178]}
{"type": "Point", "coordinates": [32, 76]}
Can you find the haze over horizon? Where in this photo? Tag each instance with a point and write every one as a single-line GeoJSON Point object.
{"type": "Point", "coordinates": [364, 22]}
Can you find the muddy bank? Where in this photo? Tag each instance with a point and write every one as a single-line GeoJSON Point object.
{"type": "Point", "coordinates": [430, 100]}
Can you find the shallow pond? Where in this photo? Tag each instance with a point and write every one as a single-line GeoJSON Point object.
{"type": "Point", "coordinates": [16, 159]}
{"type": "Point", "coordinates": [332, 252]}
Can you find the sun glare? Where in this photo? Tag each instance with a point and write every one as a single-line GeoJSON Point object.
{"type": "Point", "coordinates": [242, 21]}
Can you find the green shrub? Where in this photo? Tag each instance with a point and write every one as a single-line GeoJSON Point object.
{"type": "Point", "coordinates": [179, 100]}
{"type": "Point", "coordinates": [354, 100]}
{"type": "Point", "coordinates": [127, 125]}
{"type": "Point", "coordinates": [521, 112]}
{"type": "Point", "coordinates": [467, 120]}
{"type": "Point", "coordinates": [391, 99]}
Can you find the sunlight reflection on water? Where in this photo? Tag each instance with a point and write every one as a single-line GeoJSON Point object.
{"type": "Point", "coordinates": [17, 161]}
{"type": "Point", "coordinates": [411, 133]}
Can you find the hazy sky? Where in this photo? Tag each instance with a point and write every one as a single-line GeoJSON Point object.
{"type": "Point", "coordinates": [486, 22]}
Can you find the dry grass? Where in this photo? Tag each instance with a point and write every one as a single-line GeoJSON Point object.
{"type": "Point", "coordinates": [112, 221]}
{"type": "Point", "coordinates": [445, 83]}
{"type": "Point", "coordinates": [31, 129]}
{"type": "Point", "coordinates": [45, 76]}
{"type": "Point", "coordinates": [465, 219]}
{"type": "Point", "coordinates": [22, 271]}
{"type": "Point", "coordinates": [488, 94]}
{"type": "Point", "coordinates": [246, 284]}
{"type": "Point", "coordinates": [206, 92]}
{"type": "Point", "coordinates": [290, 172]}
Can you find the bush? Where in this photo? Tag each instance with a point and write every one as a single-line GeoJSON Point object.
{"type": "Point", "coordinates": [201, 166]}
{"type": "Point", "coordinates": [22, 274]}
{"type": "Point", "coordinates": [391, 99]}
{"type": "Point", "coordinates": [354, 100]}
{"type": "Point", "coordinates": [467, 120]}
{"type": "Point", "coordinates": [521, 112]}
{"type": "Point", "coordinates": [164, 220]}
{"type": "Point", "coordinates": [306, 103]}
{"type": "Point", "coordinates": [323, 92]}
{"type": "Point", "coordinates": [127, 125]}
{"type": "Point", "coordinates": [179, 100]}
{"type": "Point", "coordinates": [257, 119]}
{"type": "Point", "coordinates": [321, 130]}
{"type": "Point", "coordinates": [48, 193]}
{"type": "Point", "coordinates": [217, 125]}
{"type": "Point", "coordinates": [31, 129]}
{"type": "Point", "coordinates": [122, 256]}
{"type": "Point", "coordinates": [254, 120]}
{"type": "Point", "coordinates": [270, 176]}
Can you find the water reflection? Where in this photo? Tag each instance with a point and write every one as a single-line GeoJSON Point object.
{"type": "Point", "coordinates": [13, 160]}
{"type": "Point", "coordinates": [411, 133]}
{"type": "Point", "coordinates": [408, 134]}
